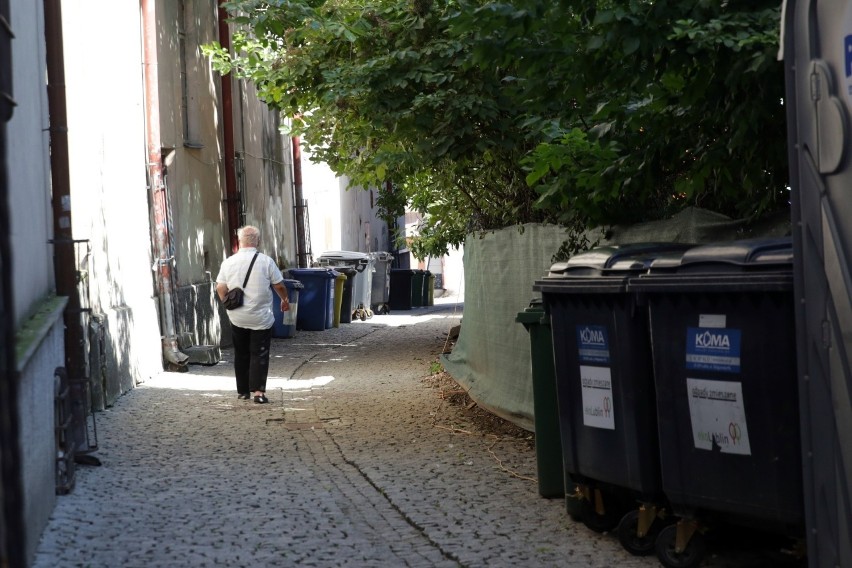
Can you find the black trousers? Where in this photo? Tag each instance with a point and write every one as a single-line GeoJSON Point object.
{"type": "Point", "coordinates": [251, 358]}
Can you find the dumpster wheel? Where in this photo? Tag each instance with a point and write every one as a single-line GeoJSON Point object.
{"type": "Point", "coordinates": [595, 516]}
{"type": "Point", "coordinates": [639, 540]}
{"type": "Point", "coordinates": [685, 554]}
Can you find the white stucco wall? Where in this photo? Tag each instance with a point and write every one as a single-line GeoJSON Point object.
{"type": "Point", "coordinates": [109, 193]}
{"type": "Point", "coordinates": [321, 188]}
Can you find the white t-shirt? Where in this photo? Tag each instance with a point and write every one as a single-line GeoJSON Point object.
{"type": "Point", "coordinates": [256, 311]}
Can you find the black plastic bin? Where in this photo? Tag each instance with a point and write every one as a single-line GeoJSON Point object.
{"type": "Point", "coordinates": [346, 303]}
{"type": "Point", "coordinates": [418, 282]}
{"type": "Point", "coordinates": [723, 338]}
{"type": "Point", "coordinates": [401, 293]}
{"type": "Point", "coordinates": [548, 446]}
{"type": "Point", "coordinates": [605, 388]}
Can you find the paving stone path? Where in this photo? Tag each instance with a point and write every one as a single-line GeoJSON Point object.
{"type": "Point", "coordinates": [356, 461]}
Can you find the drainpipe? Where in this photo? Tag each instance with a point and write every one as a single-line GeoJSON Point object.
{"type": "Point", "coordinates": [163, 263]}
{"type": "Point", "coordinates": [299, 204]}
{"type": "Point", "coordinates": [63, 241]}
{"type": "Point", "coordinates": [11, 495]}
{"type": "Point", "coordinates": [232, 197]}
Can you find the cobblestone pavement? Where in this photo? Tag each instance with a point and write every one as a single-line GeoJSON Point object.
{"type": "Point", "coordinates": [355, 462]}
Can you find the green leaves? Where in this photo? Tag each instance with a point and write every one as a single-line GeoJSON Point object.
{"type": "Point", "coordinates": [490, 113]}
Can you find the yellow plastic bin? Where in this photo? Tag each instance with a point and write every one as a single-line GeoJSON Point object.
{"type": "Point", "coordinates": [339, 281]}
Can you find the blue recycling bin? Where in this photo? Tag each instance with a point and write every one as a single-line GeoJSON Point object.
{"type": "Point", "coordinates": [285, 322]}
{"type": "Point", "coordinates": [316, 300]}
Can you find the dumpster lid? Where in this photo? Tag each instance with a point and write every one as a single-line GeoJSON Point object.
{"type": "Point", "coordinates": [614, 259]}
{"type": "Point", "coordinates": [336, 258]}
{"type": "Point", "coordinates": [344, 255]}
{"type": "Point", "coordinates": [742, 255]}
{"type": "Point", "coordinates": [534, 314]}
{"type": "Point", "coordinates": [381, 255]}
{"type": "Point", "coordinates": [315, 272]}
{"type": "Point", "coordinates": [292, 283]}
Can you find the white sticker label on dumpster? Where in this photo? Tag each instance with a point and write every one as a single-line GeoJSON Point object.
{"type": "Point", "coordinates": [718, 416]}
{"type": "Point", "coordinates": [597, 397]}
{"type": "Point", "coordinates": [711, 320]}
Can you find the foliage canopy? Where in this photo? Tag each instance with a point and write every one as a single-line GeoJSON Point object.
{"type": "Point", "coordinates": [487, 114]}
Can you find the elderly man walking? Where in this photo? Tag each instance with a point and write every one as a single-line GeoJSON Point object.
{"type": "Point", "coordinates": [251, 323]}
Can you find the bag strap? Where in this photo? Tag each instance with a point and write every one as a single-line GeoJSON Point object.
{"type": "Point", "coordinates": [249, 270]}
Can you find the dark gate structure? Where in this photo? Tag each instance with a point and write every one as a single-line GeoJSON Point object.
{"type": "Point", "coordinates": [818, 63]}
{"type": "Point", "coordinates": [11, 491]}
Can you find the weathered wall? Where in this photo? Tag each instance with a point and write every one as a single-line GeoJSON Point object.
{"type": "Point", "coordinates": [191, 137]}
{"type": "Point", "coordinates": [38, 357]}
{"type": "Point", "coordinates": [267, 170]}
{"type": "Point", "coordinates": [361, 229]}
{"type": "Point", "coordinates": [28, 185]}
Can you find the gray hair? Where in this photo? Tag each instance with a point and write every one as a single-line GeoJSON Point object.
{"type": "Point", "coordinates": [249, 236]}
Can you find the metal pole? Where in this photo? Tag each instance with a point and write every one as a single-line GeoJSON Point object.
{"type": "Point", "coordinates": [298, 198]}
{"type": "Point", "coordinates": [163, 260]}
{"type": "Point", "coordinates": [232, 197]}
{"type": "Point", "coordinates": [63, 240]}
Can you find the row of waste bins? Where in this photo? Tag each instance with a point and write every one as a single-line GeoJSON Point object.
{"type": "Point", "coordinates": [665, 392]}
{"type": "Point", "coordinates": [349, 285]}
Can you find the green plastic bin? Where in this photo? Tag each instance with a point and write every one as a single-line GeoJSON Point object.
{"type": "Point", "coordinates": [417, 286]}
{"type": "Point", "coordinates": [548, 443]}
{"type": "Point", "coordinates": [428, 288]}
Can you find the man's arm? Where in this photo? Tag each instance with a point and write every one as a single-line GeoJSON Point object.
{"type": "Point", "coordinates": [281, 290]}
{"type": "Point", "coordinates": [221, 290]}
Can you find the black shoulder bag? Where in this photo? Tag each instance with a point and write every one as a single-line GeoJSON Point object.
{"type": "Point", "coordinates": [234, 298]}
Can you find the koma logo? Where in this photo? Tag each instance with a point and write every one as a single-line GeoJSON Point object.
{"type": "Point", "coordinates": [712, 341]}
{"type": "Point", "coordinates": [592, 336]}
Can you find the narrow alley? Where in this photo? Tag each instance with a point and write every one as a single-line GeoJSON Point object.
{"type": "Point", "coordinates": [356, 461]}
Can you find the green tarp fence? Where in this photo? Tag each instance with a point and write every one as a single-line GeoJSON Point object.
{"type": "Point", "coordinates": [491, 359]}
